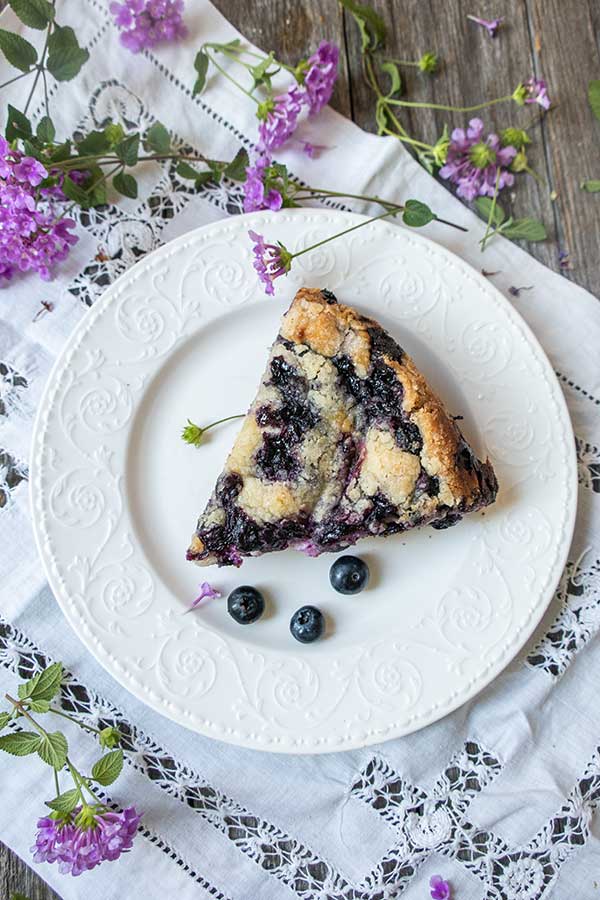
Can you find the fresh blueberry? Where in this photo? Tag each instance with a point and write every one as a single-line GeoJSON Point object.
{"type": "Point", "coordinates": [307, 624]}
{"type": "Point", "coordinates": [349, 575]}
{"type": "Point", "coordinates": [245, 604]}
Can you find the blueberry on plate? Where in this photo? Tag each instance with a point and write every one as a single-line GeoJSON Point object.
{"type": "Point", "coordinates": [307, 624]}
{"type": "Point", "coordinates": [349, 575]}
{"type": "Point", "coordinates": [245, 604]}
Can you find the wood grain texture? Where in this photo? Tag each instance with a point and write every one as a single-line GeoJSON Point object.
{"type": "Point", "coordinates": [557, 39]}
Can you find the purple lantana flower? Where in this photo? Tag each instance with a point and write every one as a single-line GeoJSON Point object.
{"type": "Point", "coordinates": [84, 839]}
{"type": "Point", "coordinates": [146, 23]}
{"type": "Point", "coordinates": [278, 118]}
{"type": "Point", "coordinates": [33, 236]}
{"type": "Point", "coordinates": [270, 261]}
{"type": "Point", "coordinates": [256, 194]}
{"type": "Point", "coordinates": [476, 164]}
{"type": "Point", "coordinates": [440, 889]}
{"type": "Point", "coordinates": [491, 25]}
{"type": "Point", "coordinates": [207, 592]}
{"type": "Point", "coordinates": [320, 75]}
{"type": "Point", "coordinates": [537, 92]}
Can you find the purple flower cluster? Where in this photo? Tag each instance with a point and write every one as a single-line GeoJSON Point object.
{"type": "Point", "coordinates": [256, 194]}
{"type": "Point", "coordinates": [270, 261]}
{"type": "Point", "coordinates": [76, 848]}
{"type": "Point", "coordinates": [476, 164]}
{"type": "Point", "coordinates": [278, 118]}
{"type": "Point", "coordinates": [145, 23]}
{"type": "Point", "coordinates": [32, 236]}
{"type": "Point", "coordinates": [320, 76]}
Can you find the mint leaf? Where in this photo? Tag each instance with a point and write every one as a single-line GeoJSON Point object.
{"type": "Point", "coordinates": [33, 13]}
{"type": "Point", "coordinates": [201, 67]}
{"type": "Point", "coordinates": [45, 130]}
{"type": "Point", "coordinates": [75, 192]}
{"type": "Point", "coordinates": [592, 186]}
{"type": "Point", "coordinates": [236, 169]}
{"type": "Point", "coordinates": [484, 206]}
{"type": "Point", "coordinates": [370, 24]}
{"type": "Point", "coordinates": [65, 56]}
{"type": "Point", "coordinates": [65, 803]}
{"type": "Point", "coordinates": [594, 97]}
{"type": "Point", "coordinates": [93, 144]}
{"type": "Point", "coordinates": [417, 214]}
{"type": "Point", "coordinates": [127, 150]}
{"type": "Point", "coordinates": [525, 230]}
{"type": "Point", "coordinates": [19, 52]}
{"type": "Point", "coordinates": [61, 152]}
{"type": "Point", "coordinates": [157, 138]}
{"type": "Point", "coordinates": [392, 70]}
{"type": "Point", "coordinates": [53, 749]}
{"type": "Point", "coordinates": [4, 719]}
{"type": "Point", "coordinates": [39, 706]}
{"type": "Point", "coordinates": [17, 125]}
{"type": "Point", "coordinates": [184, 170]}
{"type": "Point", "coordinates": [125, 184]}
{"type": "Point", "coordinates": [44, 685]}
{"type": "Point", "coordinates": [21, 743]}
{"type": "Point", "coordinates": [108, 768]}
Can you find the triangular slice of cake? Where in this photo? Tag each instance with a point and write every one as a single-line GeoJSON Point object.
{"type": "Point", "coordinates": [344, 440]}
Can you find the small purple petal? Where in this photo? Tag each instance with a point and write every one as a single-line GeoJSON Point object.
{"type": "Point", "coordinates": [320, 76]}
{"type": "Point", "coordinates": [207, 592]}
{"type": "Point", "coordinates": [491, 25]}
{"type": "Point", "coordinates": [439, 889]}
{"type": "Point", "coordinates": [537, 92]}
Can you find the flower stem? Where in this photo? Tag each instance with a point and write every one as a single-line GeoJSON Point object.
{"type": "Point", "coordinates": [64, 715]}
{"type": "Point", "coordinates": [40, 66]}
{"type": "Point", "coordinates": [230, 77]}
{"type": "Point", "coordinates": [491, 213]}
{"type": "Point", "coordinates": [16, 78]}
{"type": "Point", "coordinates": [389, 212]}
{"type": "Point", "coordinates": [19, 705]}
{"type": "Point", "coordinates": [423, 105]}
{"type": "Point", "coordinates": [226, 419]}
{"type": "Point", "coordinates": [56, 783]}
{"type": "Point", "coordinates": [407, 140]}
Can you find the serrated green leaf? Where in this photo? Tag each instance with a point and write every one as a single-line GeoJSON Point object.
{"type": "Point", "coordinates": [19, 52]}
{"type": "Point", "coordinates": [371, 25]}
{"type": "Point", "coordinates": [125, 184]}
{"type": "Point", "coordinates": [95, 186]}
{"type": "Point", "coordinates": [594, 97]}
{"type": "Point", "coordinates": [127, 150]}
{"type": "Point", "coordinates": [525, 230]}
{"type": "Point", "coordinates": [53, 749]}
{"type": "Point", "coordinates": [4, 719]}
{"type": "Point", "coordinates": [201, 67]}
{"type": "Point", "coordinates": [20, 743]}
{"type": "Point", "coordinates": [65, 56]}
{"type": "Point", "coordinates": [45, 130]}
{"type": "Point", "coordinates": [236, 169]}
{"type": "Point", "coordinates": [417, 214]}
{"type": "Point", "coordinates": [157, 138]}
{"type": "Point", "coordinates": [46, 684]}
{"type": "Point", "coordinates": [65, 803]}
{"type": "Point", "coordinates": [33, 13]}
{"type": "Point", "coordinates": [592, 186]}
{"type": "Point", "coordinates": [75, 192]}
{"type": "Point", "coordinates": [93, 144]}
{"type": "Point", "coordinates": [17, 125]}
{"type": "Point", "coordinates": [391, 69]}
{"type": "Point", "coordinates": [484, 205]}
{"type": "Point", "coordinates": [108, 768]}
{"type": "Point", "coordinates": [39, 706]}
{"type": "Point", "coordinates": [184, 170]}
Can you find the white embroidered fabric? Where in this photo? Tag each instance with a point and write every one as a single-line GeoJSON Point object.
{"type": "Point", "coordinates": [501, 797]}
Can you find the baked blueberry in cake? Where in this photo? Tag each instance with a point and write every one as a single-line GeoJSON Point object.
{"type": "Point", "coordinates": [344, 440]}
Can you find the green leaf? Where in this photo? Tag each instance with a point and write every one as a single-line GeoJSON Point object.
{"type": "Point", "coordinates": [75, 192]}
{"type": "Point", "coordinates": [33, 13]}
{"type": "Point", "coordinates": [19, 52]}
{"type": "Point", "coordinates": [125, 184]}
{"type": "Point", "coordinates": [114, 133]}
{"type": "Point", "coordinates": [21, 743]}
{"type": "Point", "coordinates": [525, 230]}
{"type": "Point", "coordinates": [259, 72]}
{"type": "Point", "coordinates": [108, 768]}
{"type": "Point", "coordinates": [45, 130]}
{"type": "Point", "coordinates": [592, 186]}
{"type": "Point", "coordinates": [157, 138]}
{"type": "Point", "coordinates": [236, 169]}
{"type": "Point", "coordinates": [53, 749]}
{"type": "Point", "coordinates": [93, 144]}
{"type": "Point", "coordinates": [39, 706]}
{"type": "Point", "coordinates": [95, 187]}
{"type": "Point", "coordinates": [205, 177]}
{"type": "Point", "coordinates": [127, 150]}
{"type": "Point", "coordinates": [17, 125]}
{"type": "Point", "coordinates": [594, 97]}
{"type": "Point", "coordinates": [46, 684]}
{"type": "Point", "coordinates": [65, 56]}
{"type": "Point", "coordinates": [371, 25]}
{"type": "Point", "coordinates": [201, 67]}
{"type": "Point", "coordinates": [184, 170]}
{"type": "Point", "coordinates": [484, 205]}
{"type": "Point", "coordinates": [4, 719]}
{"type": "Point", "coordinates": [61, 152]}
{"type": "Point", "coordinates": [65, 803]}
{"type": "Point", "coordinates": [392, 70]}
{"type": "Point", "coordinates": [417, 214]}
{"type": "Point", "coordinates": [109, 737]}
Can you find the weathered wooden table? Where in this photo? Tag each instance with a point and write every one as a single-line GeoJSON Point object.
{"type": "Point", "coordinates": [557, 39]}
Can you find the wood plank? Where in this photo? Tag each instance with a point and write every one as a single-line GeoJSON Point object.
{"type": "Point", "coordinates": [16, 876]}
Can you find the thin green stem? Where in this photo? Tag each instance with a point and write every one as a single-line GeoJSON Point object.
{"type": "Point", "coordinates": [389, 212]}
{"type": "Point", "coordinates": [408, 140]}
{"type": "Point", "coordinates": [56, 784]}
{"type": "Point", "coordinates": [226, 419]}
{"type": "Point", "coordinates": [40, 66]}
{"type": "Point", "coordinates": [19, 705]}
{"type": "Point", "coordinates": [413, 104]}
{"type": "Point", "coordinates": [233, 80]}
{"type": "Point", "coordinates": [16, 78]}
{"type": "Point", "coordinates": [492, 211]}
{"type": "Point", "coordinates": [45, 82]}
{"type": "Point", "coordinates": [78, 782]}
{"type": "Point", "coordinates": [64, 715]}
{"type": "Point", "coordinates": [401, 62]}
{"type": "Point", "coordinates": [228, 51]}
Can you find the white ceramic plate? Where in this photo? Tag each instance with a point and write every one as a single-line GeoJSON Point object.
{"type": "Point", "coordinates": [116, 493]}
